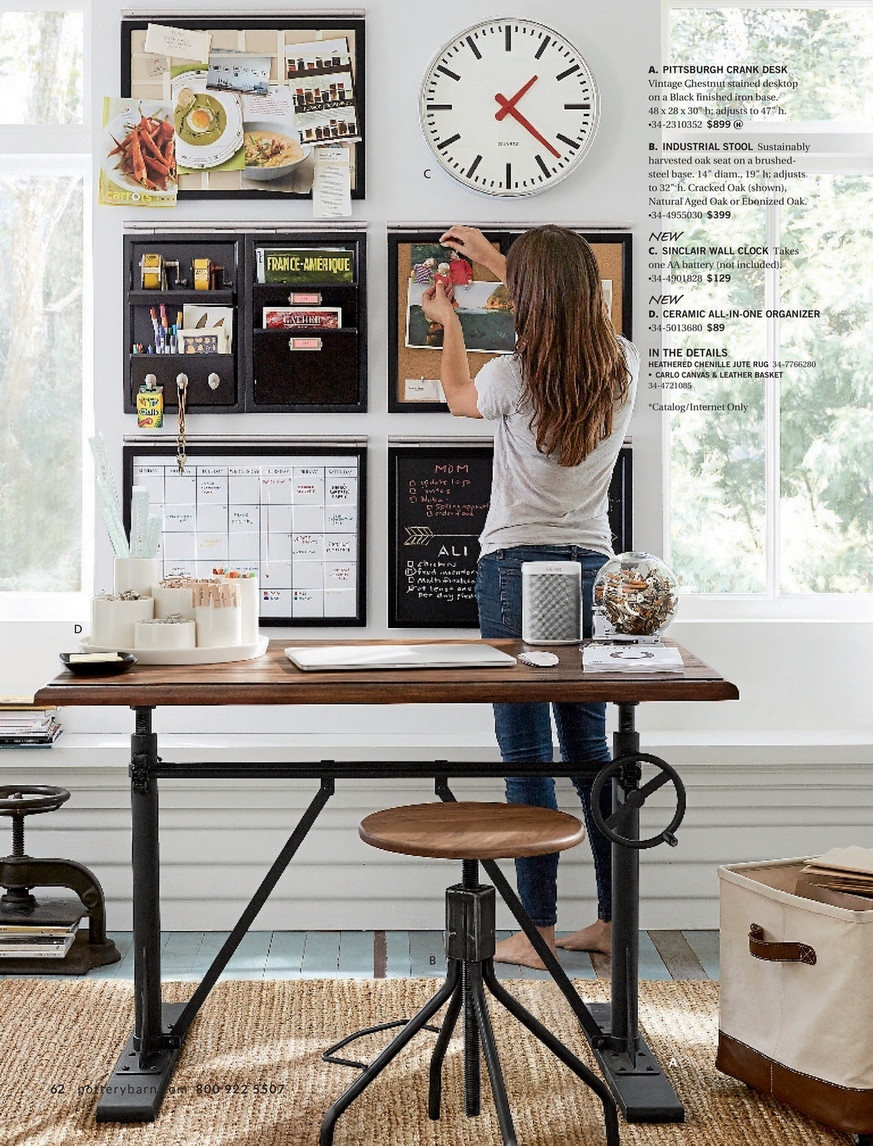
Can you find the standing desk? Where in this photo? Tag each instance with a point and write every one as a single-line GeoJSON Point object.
{"type": "Point", "coordinates": [136, 1088]}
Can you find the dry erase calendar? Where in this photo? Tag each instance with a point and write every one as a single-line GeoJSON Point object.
{"type": "Point", "coordinates": [291, 514]}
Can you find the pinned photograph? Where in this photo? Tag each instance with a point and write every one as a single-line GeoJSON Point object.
{"type": "Point", "coordinates": [238, 72]}
{"type": "Point", "coordinates": [484, 308]}
{"type": "Point", "coordinates": [138, 155]}
{"type": "Point", "coordinates": [319, 77]}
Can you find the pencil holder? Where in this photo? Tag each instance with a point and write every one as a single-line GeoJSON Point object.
{"type": "Point", "coordinates": [164, 633]}
{"type": "Point", "coordinates": [249, 603]}
{"type": "Point", "coordinates": [137, 574]}
{"type": "Point", "coordinates": [113, 620]}
{"type": "Point", "coordinates": [174, 598]}
{"type": "Point", "coordinates": [217, 614]}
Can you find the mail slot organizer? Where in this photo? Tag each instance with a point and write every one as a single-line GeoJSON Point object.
{"type": "Point", "coordinates": [264, 320]}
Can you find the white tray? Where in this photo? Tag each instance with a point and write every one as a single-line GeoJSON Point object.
{"type": "Point", "coordinates": [187, 656]}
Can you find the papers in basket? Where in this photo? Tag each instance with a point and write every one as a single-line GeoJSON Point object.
{"type": "Point", "coordinates": [631, 659]}
{"type": "Point", "coordinates": [846, 869]}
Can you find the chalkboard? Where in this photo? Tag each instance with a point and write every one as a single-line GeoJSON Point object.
{"type": "Point", "coordinates": [438, 501]}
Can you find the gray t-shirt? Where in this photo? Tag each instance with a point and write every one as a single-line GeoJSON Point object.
{"type": "Point", "coordinates": [534, 501]}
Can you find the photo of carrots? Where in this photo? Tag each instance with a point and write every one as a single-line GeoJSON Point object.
{"type": "Point", "coordinates": [147, 153]}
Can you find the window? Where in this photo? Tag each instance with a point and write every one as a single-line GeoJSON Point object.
{"type": "Point", "coordinates": [776, 502]}
{"type": "Point", "coordinates": [44, 198]}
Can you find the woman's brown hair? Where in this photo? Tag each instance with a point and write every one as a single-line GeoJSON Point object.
{"type": "Point", "coordinates": [573, 365]}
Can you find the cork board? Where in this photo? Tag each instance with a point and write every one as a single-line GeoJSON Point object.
{"type": "Point", "coordinates": [414, 370]}
{"type": "Point", "coordinates": [148, 76]}
{"type": "Point", "coordinates": [415, 363]}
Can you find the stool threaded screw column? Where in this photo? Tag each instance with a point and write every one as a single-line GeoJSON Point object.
{"type": "Point", "coordinates": [17, 837]}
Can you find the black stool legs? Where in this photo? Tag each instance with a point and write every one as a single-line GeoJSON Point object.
{"type": "Point", "coordinates": [470, 935]}
{"type": "Point", "coordinates": [391, 1051]}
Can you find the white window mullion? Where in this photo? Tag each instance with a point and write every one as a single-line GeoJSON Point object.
{"type": "Point", "coordinates": [773, 466]}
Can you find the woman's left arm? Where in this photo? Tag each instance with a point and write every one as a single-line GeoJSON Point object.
{"type": "Point", "coordinates": [458, 387]}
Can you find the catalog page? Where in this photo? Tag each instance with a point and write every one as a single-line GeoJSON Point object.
{"type": "Point", "coordinates": [757, 292]}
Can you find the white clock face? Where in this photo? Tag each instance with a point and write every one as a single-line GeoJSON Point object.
{"type": "Point", "coordinates": [508, 107]}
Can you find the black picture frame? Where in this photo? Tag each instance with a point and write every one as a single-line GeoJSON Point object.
{"type": "Point", "coordinates": [138, 452]}
{"type": "Point", "coordinates": [131, 23]}
{"type": "Point", "coordinates": [399, 236]}
{"type": "Point", "coordinates": [416, 599]}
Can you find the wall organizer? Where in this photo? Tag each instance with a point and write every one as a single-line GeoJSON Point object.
{"type": "Point", "coordinates": [438, 491]}
{"type": "Point", "coordinates": [292, 511]}
{"type": "Point", "coordinates": [413, 346]}
{"type": "Point", "coordinates": [290, 302]}
{"type": "Point", "coordinates": [317, 91]}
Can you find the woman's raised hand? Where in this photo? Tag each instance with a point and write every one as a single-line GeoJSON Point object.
{"type": "Point", "coordinates": [472, 244]}
{"type": "Point", "coordinates": [436, 303]}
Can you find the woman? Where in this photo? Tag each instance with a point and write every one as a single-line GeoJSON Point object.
{"type": "Point", "coordinates": [561, 405]}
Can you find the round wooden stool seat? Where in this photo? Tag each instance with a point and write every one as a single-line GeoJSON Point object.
{"type": "Point", "coordinates": [471, 829]}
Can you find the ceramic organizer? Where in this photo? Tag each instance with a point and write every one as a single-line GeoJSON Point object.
{"type": "Point", "coordinates": [176, 613]}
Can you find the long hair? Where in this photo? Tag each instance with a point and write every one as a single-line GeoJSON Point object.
{"type": "Point", "coordinates": [573, 365]}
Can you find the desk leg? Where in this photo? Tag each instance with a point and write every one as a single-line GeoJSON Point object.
{"type": "Point", "coordinates": [142, 1074]}
{"type": "Point", "coordinates": [632, 1072]}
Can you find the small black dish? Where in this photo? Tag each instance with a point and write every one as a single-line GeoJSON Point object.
{"type": "Point", "coordinates": [98, 668]}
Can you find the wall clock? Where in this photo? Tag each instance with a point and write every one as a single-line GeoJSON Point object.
{"type": "Point", "coordinates": [508, 107]}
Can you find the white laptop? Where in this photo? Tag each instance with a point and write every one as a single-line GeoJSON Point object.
{"type": "Point", "coordinates": [344, 657]}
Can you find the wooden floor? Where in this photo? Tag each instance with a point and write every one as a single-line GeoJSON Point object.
{"type": "Point", "coordinates": [393, 954]}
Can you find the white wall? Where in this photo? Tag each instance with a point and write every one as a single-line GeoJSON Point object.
{"type": "Point", "coordinates": [781, 772]}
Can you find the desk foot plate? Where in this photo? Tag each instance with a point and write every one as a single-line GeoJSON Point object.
{"type": "Point", "coordinates": [134, 1093]}
{"type": "Point", "coordinates": [638, 1085]}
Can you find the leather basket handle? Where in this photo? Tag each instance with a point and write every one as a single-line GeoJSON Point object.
{"type": "Point", "coordinates": [760, 948]}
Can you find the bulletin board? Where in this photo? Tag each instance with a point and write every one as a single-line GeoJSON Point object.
{"type": "Point", "coordinates": [148, 76]}
{"type": "Point", "coordinates": [413, 350]}
{"type": "Point", "coordinates": [293, 513]}
{"type": "Point", "coordinates": [439, 492]}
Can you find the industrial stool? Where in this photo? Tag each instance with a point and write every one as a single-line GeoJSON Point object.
{"type": "Point", "coordinates": [471, 832]}
{"type": "Point", "coordinates": [19, 873]}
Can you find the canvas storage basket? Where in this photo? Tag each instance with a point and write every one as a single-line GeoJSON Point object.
{"type": "Point", "coordinates": [796, 995]}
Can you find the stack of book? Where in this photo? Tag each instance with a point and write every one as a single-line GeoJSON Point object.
{"type": "Point", "coordinates": [36, 941]}
{"type": "Point", "coordinates": [631, 658]}
{"type": "Point", "coordinates": [842, 869]}
{"type": "Point", "coordinates": [23, 724]}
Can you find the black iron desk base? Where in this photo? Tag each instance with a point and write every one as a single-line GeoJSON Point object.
{"type": "Point", "coordinates": [141, 1077]}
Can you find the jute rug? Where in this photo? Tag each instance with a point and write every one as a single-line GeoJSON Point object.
{"type": "Point", "coordinates": [251, 1075]}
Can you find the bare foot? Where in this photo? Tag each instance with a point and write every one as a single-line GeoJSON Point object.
{"type": "Point", "coordinates": [596, 937]}
{"type": "Point", "coordinates": [519, 949]}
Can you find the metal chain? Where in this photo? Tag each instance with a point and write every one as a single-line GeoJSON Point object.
{"type": "Point", "coordinates": [182, 387]}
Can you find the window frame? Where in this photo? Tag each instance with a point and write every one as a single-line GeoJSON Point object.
{"type": "Point", "coordinates": [836, 149]}
{"type": "Point", "coordinates": [52, 149]}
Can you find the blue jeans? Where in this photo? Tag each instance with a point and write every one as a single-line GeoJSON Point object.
{"type": "Point", "coordinates": [524, 731]}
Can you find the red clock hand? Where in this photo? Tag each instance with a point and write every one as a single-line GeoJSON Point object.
{"type": "Point", "coordinates": [508, 105]}
{"type": "Point", "coordinates": [510, 110]}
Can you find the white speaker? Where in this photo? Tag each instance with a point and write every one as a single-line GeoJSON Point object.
{"type": "Point", "coordinates": [551, 602]}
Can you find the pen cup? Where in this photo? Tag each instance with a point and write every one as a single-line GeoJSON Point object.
{"type": "Point", "coordinates": [137, 574]}
{"type": "Point", "coordinates": [113, 621]}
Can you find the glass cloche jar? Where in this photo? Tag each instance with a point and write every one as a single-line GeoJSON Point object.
{"type": "Point", "coordinates": [635, 596]}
